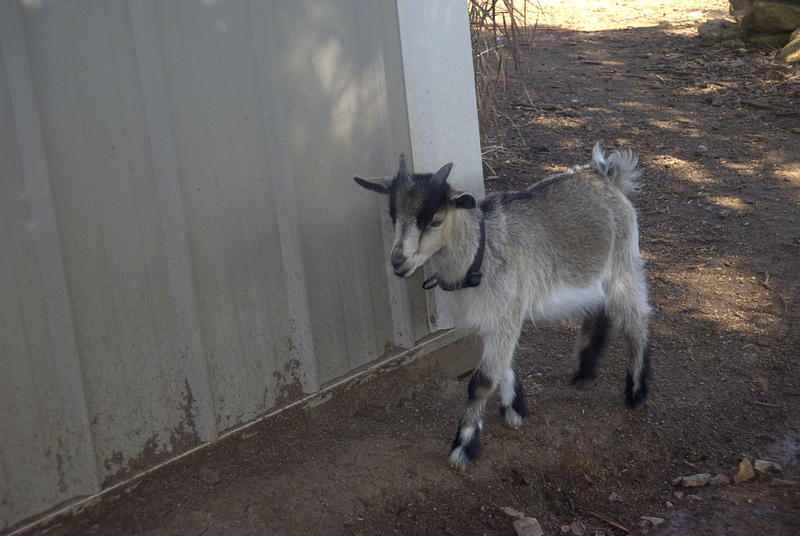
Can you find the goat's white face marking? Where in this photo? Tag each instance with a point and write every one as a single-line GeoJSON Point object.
{"type": "Point", "coordinates": [414, 246]}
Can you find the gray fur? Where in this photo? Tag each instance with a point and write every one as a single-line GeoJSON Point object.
{"type": "Point", "coordinates": [565, 247]}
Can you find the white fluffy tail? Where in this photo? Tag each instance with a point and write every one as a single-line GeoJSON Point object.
{"type": "Point", "coordinates": [620, 167]}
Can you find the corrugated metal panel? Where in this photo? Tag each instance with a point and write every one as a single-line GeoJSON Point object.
{"type": "Point", "coordinates": [182, 247]}
{"type": "Point", "coordinates": [45, 437]}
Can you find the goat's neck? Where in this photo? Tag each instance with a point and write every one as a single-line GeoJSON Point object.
{"type": "Point", "coordinates": [455, 257]}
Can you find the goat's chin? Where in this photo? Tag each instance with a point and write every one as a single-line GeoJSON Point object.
{"type": "Point", "coordinates": [407, 272]}
{"type": "Point", "coordinates": [404, 271]}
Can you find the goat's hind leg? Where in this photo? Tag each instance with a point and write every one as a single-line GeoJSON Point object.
{"type": "Point", "coordinates": [591, 346]}
{"type": "Point", "coordinates": [636, 381]}
{"type": "Point", "coordinates": [631, 313]}
{"type": "Point", "coordinates": [513, 409]}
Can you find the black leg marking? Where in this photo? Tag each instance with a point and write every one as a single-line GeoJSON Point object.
{"type": "Point", "coordinates": [518, 404]}
{"type": "Point", "coordinates": [465, 449]}
{"type": "Point", "coordinates": [592, 341]}
{"type": "Point", "coordinates": [519, 400]}
{"type": "Point", "coordinates": [467, 444]}
{"type": "Point", "coordinates": [636, 391]}
{"type": "Point", "coordinates": [479, 385]}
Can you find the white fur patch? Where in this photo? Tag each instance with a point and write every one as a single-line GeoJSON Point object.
{"type": "Point", "coordinates": [512, 419]}
{"type": "Point", "coordinates": [458, 459]}
{"type": "Point", "coordinates": [466, 435]}
{"type": "Point", "coordinates": [568, 302]}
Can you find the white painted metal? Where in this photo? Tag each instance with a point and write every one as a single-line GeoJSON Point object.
{"type": "Point", "coordinates": [173, 225]}
{"type": "Point", "coordinates": [435, 35]}
{"type": "Point", "coordinates": [45, 437]}
{"type": "Point", "coordinates": [182, 247]}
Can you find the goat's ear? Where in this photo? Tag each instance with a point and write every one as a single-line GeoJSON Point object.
{"type": "Point", "coordinates": [381, 185]}
{"type": "Point", "coordinates": [463, 200]}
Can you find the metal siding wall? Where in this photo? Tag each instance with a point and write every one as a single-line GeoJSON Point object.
{"type": "Point", "coordinates": [46, 453]}
{"type": "Point", "coordinates": [323, 66]}
{"type": "Point", "coordinates": [182, 246]}
{"type": "Point", "coordinates": [219, 141]}
{"type": "Point", "coordinates": [106, 201]}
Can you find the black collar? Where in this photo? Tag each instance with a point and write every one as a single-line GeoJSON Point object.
{"type": "Point", "coordinates": [473, 277]}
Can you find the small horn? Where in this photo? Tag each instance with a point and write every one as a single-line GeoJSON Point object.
{"type": "Point", "coordinates": [403, 167]}
{"type": "Point", "coordinates": [440, 177]}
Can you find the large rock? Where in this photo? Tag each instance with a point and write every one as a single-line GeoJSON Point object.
{"type": "Point", "coordinates": [770, 23]}
{"type": "Point", "coordinates": [774, 40]}
{"type": "Point", "coordinates": [791, 52]}
{"type": "Point", "coordinates": [767, 16]}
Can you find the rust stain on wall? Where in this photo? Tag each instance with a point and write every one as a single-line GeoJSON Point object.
{"type": "Point", "coordinates": [288, 384]}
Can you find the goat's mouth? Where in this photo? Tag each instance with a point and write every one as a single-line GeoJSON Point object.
{"type": "Point", "coordinates": [400, 272]}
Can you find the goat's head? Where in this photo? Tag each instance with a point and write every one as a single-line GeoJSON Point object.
{"type": "Point", "coordinates": [421, 206]}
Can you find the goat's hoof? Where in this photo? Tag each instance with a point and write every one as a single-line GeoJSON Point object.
{"type": "Point", "coordinates": [511, 418]}
{"type": "Point", "coordinates": [458, 459]}
{"type": "Point", "coordinates": [636, 402]}
{"type": "Point", "coordinates": [584, 382]}
{"type": "Point", "coordinates": [635, 395]}
{"type": "Point", "coordinates": [466, 447]}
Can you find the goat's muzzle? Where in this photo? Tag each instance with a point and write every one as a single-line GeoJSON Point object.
{"type": "Point", "coordinates": [398, 259]}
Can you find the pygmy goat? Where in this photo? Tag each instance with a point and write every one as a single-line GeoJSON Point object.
{"type": "Point", "coordinates": [565, 247]}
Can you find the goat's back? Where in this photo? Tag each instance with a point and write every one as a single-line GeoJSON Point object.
{"type": "Point", "coordinates": [563, 231]}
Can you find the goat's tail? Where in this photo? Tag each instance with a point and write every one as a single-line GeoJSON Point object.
{"type": "Point", "coordinates": [620, 167]}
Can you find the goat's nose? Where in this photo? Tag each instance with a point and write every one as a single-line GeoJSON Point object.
{"type": "Point", "coordinates": [397, 259]}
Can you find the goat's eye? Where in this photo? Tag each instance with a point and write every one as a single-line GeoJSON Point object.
{"type": "Point", "coordinates": [436, 223]}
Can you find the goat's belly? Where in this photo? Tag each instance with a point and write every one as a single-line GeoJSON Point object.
{"type": "Point", "coordinates": [568, 302]}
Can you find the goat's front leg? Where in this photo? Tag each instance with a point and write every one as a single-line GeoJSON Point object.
{"type": "Point", "coordinates": [467, 444]}
{"type": "Point", "coordinates": [494, 370]}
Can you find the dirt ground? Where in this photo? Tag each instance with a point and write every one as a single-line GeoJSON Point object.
{"type": "Point", "coordinates": [717, 126]}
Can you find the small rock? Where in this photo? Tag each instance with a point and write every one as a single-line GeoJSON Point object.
{"type": "Point", "coordinates": [528, 526]}
{"type": "Point", "coordinates": [614, 497]}
{"type": "Point", "coordinates": [693, 481]}
{"type": "Point", "coordinates": [719, 480]}
{"type": "Point", "coordinates": [654, 520]}
{"type": "Point", "coordinates": [669, 504]}
{"type": "Point", "coordinates": [679, 495]}
{"type": "Point", "coordinates": [719, 29]}
{"type": "Point", "coordinates": [565, 529]}
{"type": "Point", "coordinates": [780, 483]}
{"type": "Point", "coordinates": [745, 471]}
{"type": "Point", "coordinates": [765, 466]}
{"type": "Point", "coordinates": [577, 528]}
{"type": "Point", "coordinates": [209, 476]}
{"type": "Point", "coordinates": [693, 498]}
{"type": "Point", "coordinates": [513, 513]}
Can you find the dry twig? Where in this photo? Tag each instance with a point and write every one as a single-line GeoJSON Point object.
{"type": "Point", "coordinates": [610, 521]}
